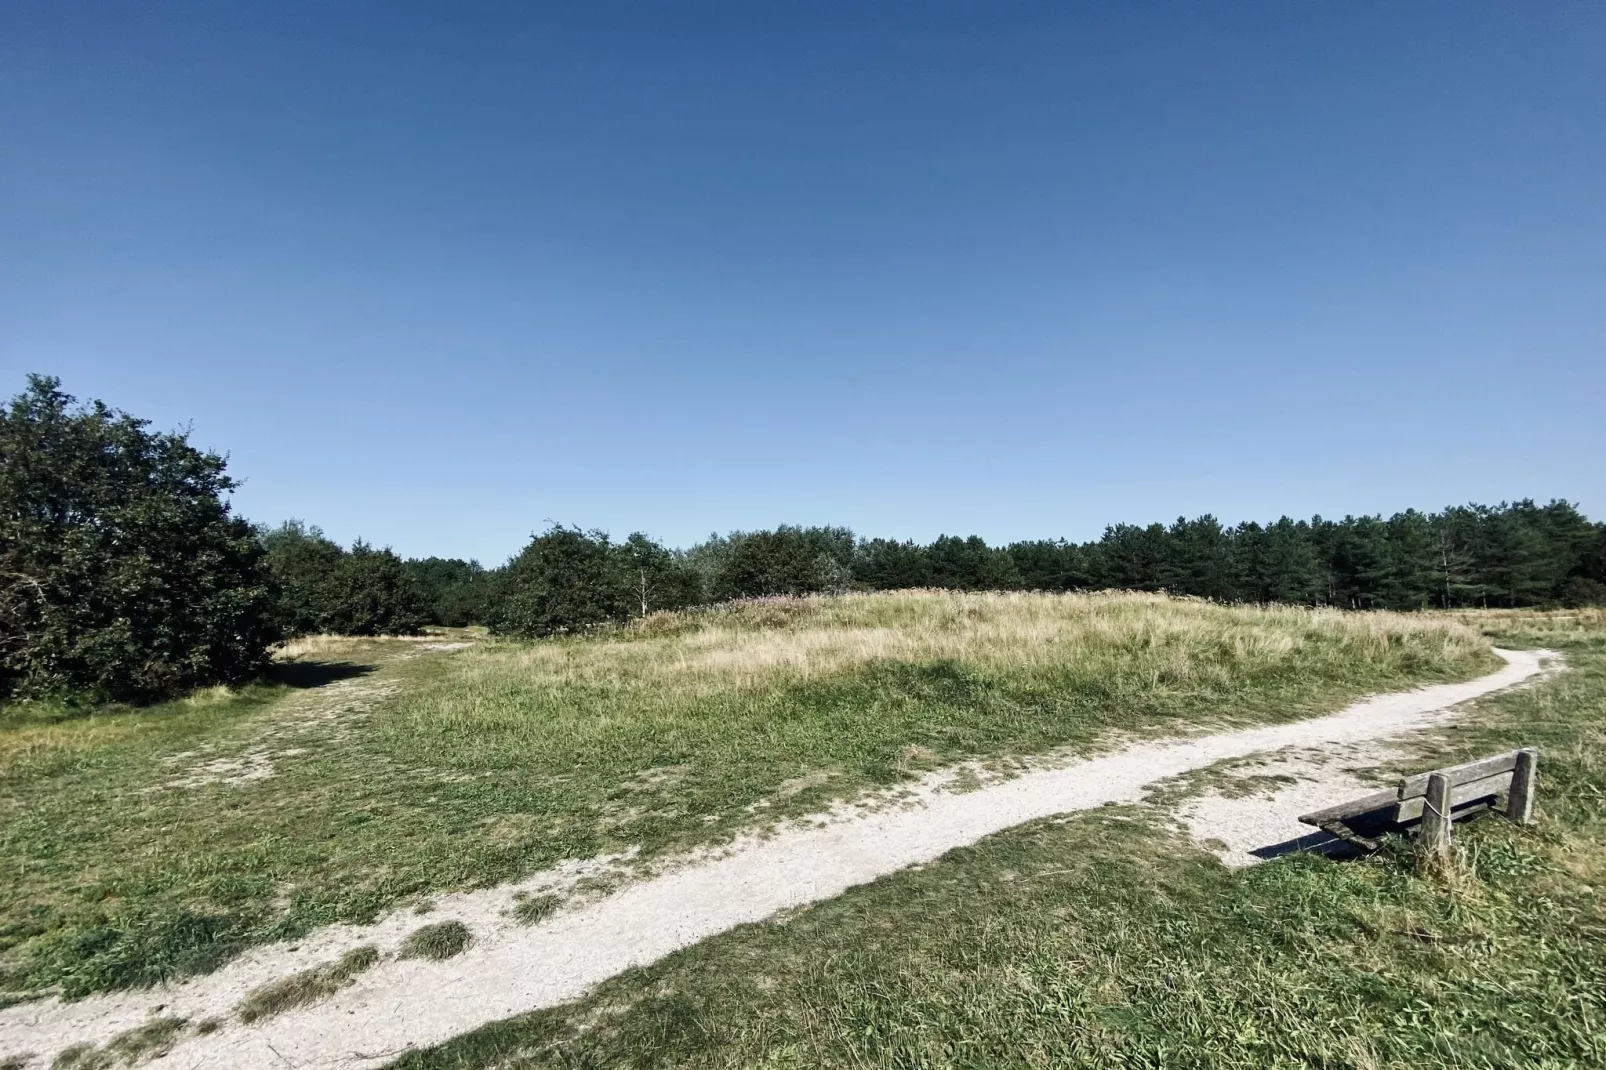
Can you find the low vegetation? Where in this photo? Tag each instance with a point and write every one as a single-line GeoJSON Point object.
{"type": "Point", "coordinates": [151, 1040]}
{"type": "Point", "coordinates": [1106, 940]}
{"type": "Point", "coordinates": [441, 940]}
{"type": "Point", "coordinates": [407, 771]}
{"type": "Point", "coordinates": [308, 986]}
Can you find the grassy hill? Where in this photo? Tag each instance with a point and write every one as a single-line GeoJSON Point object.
{"type": "Point", "coordinates": [1109, 940]}
{"type": "Point", "coordinates": [139, 844]}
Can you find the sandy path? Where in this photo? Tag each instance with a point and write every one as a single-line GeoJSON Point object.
{"type": "Point", "coordinates": [510, 969]}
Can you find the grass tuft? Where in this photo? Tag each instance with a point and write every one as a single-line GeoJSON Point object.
{"type": "Point", "coordinates": [151, 1040]}
{"type": "Point", "coordinates": [308, 986]}
{"type": "Point", "coordinates": [532, 910]}
{"type": "Point", "coordinates": [439, 941]}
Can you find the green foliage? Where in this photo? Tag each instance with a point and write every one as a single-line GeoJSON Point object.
{"type": "Point", "coordinates": [455, 592]}
{"type": "Point", "coordinates": [888, 565]}
{"type": "Point", "coordinates": [123, 574]}
{"type": "Point", "coordinates": [563, 581]}
{"type": "Point", "coordinates": [971, 565]}
{"type": "Point", "coordinates": [1582, 591]}
{"type": "Point", "coordinates": [786, 561]}
{"type": "Point", "coordinates": [323, 588]}
{"type": "Point", "coordinates": [370, 593]}
{"type": "Point", "coordinates": [653, 578]}
{"type": "Point", "coordinates": [1519, 554]}
{"type": "Point", "coordinates": [568, 580]}
{"type": "Point", "coordinates": [302, 561]}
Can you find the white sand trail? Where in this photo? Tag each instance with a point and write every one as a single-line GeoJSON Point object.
{"type": "Point", "coordinates": [510, 969]}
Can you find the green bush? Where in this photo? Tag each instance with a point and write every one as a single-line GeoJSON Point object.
{"type": "Point", "coordinates": [323, 588]}
{"type": "Point", "coordinates": [302, 561]}
{"type": "Point", "coordinates": [370, 593]}
{"type": "Point", "coordinates": [123, 573]}
{"type": "Point", "coordinates": [788, 560]}
{"type": "Point", "coordinates": [454, 591]}
{"type": "Point", "coordinates": [568, 580]}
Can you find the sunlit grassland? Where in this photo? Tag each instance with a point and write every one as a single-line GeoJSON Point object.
{"type": "Point", "coordinates": [393, 771]}
{"type": "Point", "coordinates": [1106, 940]}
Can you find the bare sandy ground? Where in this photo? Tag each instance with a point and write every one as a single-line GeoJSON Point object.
{"type": "Point", "coordinates": [511, 968]}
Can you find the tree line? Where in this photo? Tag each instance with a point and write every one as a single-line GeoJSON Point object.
{"type": "Point", "coordinates": [1514, 554]}
{"type": "Point", "coordinates": [125, 575]}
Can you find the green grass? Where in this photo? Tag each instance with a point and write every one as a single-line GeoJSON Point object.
{"type": "Point", "coordinates": [532, 910]}
{"type": "Point", "coordinates": [405, 773]}
{"type": "Point", "coordinates": [308, 986]}
{"type": "Point", "coordinates": [1105, 941]}
{"type": "Point", "coordinates": [151, 1040]}
{"type": "Point", "coordinates": [437, 941]}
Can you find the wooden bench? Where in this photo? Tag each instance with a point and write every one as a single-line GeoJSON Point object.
{"type": "Point", "coordinates": [1436, 799]}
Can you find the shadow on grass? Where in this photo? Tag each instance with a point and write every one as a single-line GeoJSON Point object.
{"type": "Point", "coordinates": [315, 673]}
{"type": "Point", "coordinates": [303, 674]}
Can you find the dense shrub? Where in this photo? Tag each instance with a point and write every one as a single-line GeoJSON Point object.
{"type": "Point", "coordinates": [563, 581]}
{"type": "Point", "coordinates": [653, 578]}
{"type": "Point", "coordinates": [370, 593]}
{"type": "Point", "coordinates": [567, 580]}
{"type": "Point", "coordinates": [123, 573]}
{"type": "Point", "coordinates": [788, 560]}
{"type": "Point", "coordinates": [1050, 565]}
{"type": "Point", "coordinates": [324, 588]}
{"type": "Point", "coordinates": [455, 592]}
{"type": "Point", "coordinates": [302, 561]}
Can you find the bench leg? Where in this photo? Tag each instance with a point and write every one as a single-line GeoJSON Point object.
{"type": "Point", "coordinates": [1434, 839]}
{"type": "Point", "coordinates": [1524, 784]}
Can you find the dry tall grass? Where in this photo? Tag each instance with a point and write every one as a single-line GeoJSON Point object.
{"type": "Point", "coordinates": [1161, 640]}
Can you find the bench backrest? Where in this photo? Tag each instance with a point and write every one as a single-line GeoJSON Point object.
{"type": "Point", "coordinates": [1414, 787]}
{"type": "Point", "coordinates": [1469, 783]}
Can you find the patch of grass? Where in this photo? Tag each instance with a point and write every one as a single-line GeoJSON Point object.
{"type": "Point", "coordinates": [398, 772]}
{"type": "Point", "coordinates": [441, 940]}
{"type": "Point", "coordinates": [308, 986]}
{"type": "Point", "coordinates": [1105, 941]}
{"type": "Point", "coordinates": [72, 1057]}
{"type": "Point", "coordinates": [151, 1040]}
{"type": "Point", "coordinates": [1229, 779]}
{"type": "Point", "coordinates": [532, 910]}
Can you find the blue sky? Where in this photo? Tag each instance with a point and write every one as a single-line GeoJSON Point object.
{"type": "Point", "coordinates": [437, 274]}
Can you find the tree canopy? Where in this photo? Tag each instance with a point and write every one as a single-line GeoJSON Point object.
{"type": "Point", "coordinates": [123, 573]}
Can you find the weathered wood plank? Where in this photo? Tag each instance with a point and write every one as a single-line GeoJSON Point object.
{"type": "Point", "coordinates": [1415, 786]}
{"type": "Point", "coordinates": [1349, 835]}
{"type": "Point", "coordinates": [1434, 839]}
{"type": "Point", "coordinates": [1524, 786]}
{"type": "Point", "coordinates": [1353, 808]}
{"type": "Point", "coordinates": [1411, 809]}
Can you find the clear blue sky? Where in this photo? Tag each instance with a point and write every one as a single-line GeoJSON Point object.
{"type": "Point", "coordinates": [435, 274]}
